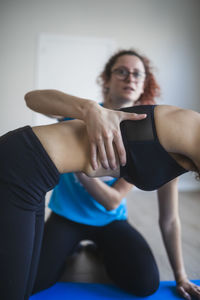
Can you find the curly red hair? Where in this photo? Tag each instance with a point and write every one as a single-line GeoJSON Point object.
{"type": "Point", "coordinates": [151, 87]}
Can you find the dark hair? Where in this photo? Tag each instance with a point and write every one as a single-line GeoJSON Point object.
{"type": "Point", "coordinates": [151, 87]}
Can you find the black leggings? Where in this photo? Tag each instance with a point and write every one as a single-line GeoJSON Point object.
{"type": "Point", "coordinates": [26, 174]}
{"type": "Point", "coordinates": [127, 256]}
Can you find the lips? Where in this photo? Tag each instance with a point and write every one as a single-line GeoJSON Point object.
{"type": "Point", "coordinates": [129, 88]}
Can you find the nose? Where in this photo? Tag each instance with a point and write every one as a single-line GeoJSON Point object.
{"type": "Point", "coordinates": [130, 77]}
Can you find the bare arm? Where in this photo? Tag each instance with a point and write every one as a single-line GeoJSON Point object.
{"type": "Point", "coordinates": [56, 103]}
{"type": "Point", "coordinates": [108, 196]}
{"type": "Point", "coordinates": [102, 124]}
{"type": "Point", "coordinates": [171, 232]}
{"type": "Point", "coordinates": [170, 227]}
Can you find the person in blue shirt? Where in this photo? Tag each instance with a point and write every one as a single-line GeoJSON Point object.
{"type": "Point", "coordinates": [95, 209]}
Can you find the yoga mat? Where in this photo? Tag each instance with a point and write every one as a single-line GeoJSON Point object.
{"type": "Point", "coordinates": [96, 291]}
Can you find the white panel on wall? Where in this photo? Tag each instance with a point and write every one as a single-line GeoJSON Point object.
{"type": "Point", "coordinates": [71, 64]}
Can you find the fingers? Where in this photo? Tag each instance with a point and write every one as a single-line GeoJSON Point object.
{"type": "Point", "coordinates": [107, 153]}
{"type": "Point", "coordinates": [102, 143]}
{"type": "Point", "coordinates": [103, 150]}
{"type": "Point", "coordinates": [189, 290]}
{"type": "Point", "coordinates": [93, 151]}
{"type": "Point", "coordinates": [133, 116]}
{"type": "Point", "coordinates": [195, 291]}
{"type": "Point", "coordinates": [183, 293]}
{"type": "Point", "coordinates": [98, 151]}
{"type": "Point", "coordinates": [110, 153]}
{"type": "Point", "coordinates": [102, 154]}
{"type": "Point", "coordinates": [120, 149]}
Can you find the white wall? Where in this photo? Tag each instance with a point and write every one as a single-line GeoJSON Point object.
{"type": "Point", "coordinates": [167, 31]}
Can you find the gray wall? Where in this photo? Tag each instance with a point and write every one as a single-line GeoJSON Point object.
{"type": "Point", "coordinates": [167, 31]}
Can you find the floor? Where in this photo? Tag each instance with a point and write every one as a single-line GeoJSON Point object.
{"type": "Point", "coordinates": [189, 207]}
{"type": "Point", "coordinates": [87, 266]}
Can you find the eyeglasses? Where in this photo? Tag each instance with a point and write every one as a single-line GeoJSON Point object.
{"type": "Point", "coordinates": [123, 74]}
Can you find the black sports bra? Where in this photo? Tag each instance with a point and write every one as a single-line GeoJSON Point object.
{"type": "Point", "coordinates": [149, 166]}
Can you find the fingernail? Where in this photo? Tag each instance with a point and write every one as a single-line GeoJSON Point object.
{"type": "Point", "coordinates": [105, 165]}
{"type": "Point", "coordinates": [94, 166]}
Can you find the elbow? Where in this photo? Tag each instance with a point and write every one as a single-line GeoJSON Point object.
{"type": "Point", "coordinates": [169, 224]}
{"type": "Point", "coordinates": [28, 99]}
{"type": "Point", "coordinates": [110, 207]}
{"type": "Point", "coordinates": [114, 203]}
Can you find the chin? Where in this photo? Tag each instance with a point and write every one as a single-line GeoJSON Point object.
{"type": "Point", "coordinates": [125, 102]}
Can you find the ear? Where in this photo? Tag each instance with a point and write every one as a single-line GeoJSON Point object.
{"type": "Point", "coordinates": [106, 87]}
{"type": "Point", "coordinates": [107, 84]}
{"type": "Point", "coordinates": [106, 90]}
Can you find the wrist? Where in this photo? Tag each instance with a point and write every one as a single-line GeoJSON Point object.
{"type": "Point", "coordinates": [89, 107]}
{"type": "Point", "coordinates": [181, 277]}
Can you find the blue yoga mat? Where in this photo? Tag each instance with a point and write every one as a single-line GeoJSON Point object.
{"type": "Point", "coordinates": [96, 291]}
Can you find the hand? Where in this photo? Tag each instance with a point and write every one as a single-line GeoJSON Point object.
{"type": "Point", "coordinates": [103, 127]}
{"type": "Point", "coordinates": [188, 290]}
{"type": "Point", "coordinates": [82, 177]}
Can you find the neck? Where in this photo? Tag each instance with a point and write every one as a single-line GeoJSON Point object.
{"type": "Point", "coordinates": [120, 103]}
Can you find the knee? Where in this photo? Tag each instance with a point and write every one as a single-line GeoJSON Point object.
{"type": "Point", "coordinates": [143, 284]}
{"type": "Point", "coordinates": [146, 286]}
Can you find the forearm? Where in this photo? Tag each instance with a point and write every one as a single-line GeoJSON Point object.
{"type": "Point", "coordinates": [53, 102]}
{"type": "Point", "coordinates": [171, 234]}
{"type": "Point", "coordinates": [102, 125]}
{"type": "Point", "coordinates": [101, 192]}
{"type": "Point", "coordinates": [108, 196]}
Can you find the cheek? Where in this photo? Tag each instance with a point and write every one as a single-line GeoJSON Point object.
{"type": "Point", "coordinates": [114, 86]}
{"type": "Point", "coordinates": [140, 89]}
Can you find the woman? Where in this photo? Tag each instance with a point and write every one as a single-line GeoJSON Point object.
{"type": "Point", "coordinates": [31, 163]}
{"type": "Point", "coordinates": [126, 79]}
{"type": "Point", "coordinates": [95, 209]}
{"type": "Point", "coordinates": [34, 168]}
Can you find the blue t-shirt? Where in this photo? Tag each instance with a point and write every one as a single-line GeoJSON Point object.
{"type": "Point", "coordinates": [71, 200]}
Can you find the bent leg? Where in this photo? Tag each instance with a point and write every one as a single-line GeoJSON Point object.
{"type": "Point", "coordinates": [38, 229]}
{"type": "Point", "coordinates": [26, 174]}
{"type": "Point", "coordinates": [128, 258]}
{"type": "Point", "coordinates": [61, 237]}
{"type": "Point", "coordinates": [18, 249]}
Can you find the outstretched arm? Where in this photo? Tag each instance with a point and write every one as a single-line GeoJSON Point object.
{"type": "Point", "coordinates": [103, 125]}
{"type": "Point", "coordinates": [171, 233]}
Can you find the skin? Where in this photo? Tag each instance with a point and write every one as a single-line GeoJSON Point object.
{"type": "Point", "coordinates": [102, 128]}
{"type": "Point", "coordinates": [174, 141]}
{"type": "Point", "coordinates": [100, 138]}
{"type": "Point", "coordinates": [102, 132]}
{"type": "Point", "coordinates": [73, 143]}
{"type": "Point", "coordinates": [123, 93]}
{"type": "Point", "coordinates": [71, 136]}
{"type": "Point", "coordinates": [178, 132]}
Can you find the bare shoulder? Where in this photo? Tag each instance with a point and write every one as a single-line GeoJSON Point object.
{"type": "Point", "coordinates": [178, 130]}
{"type": "Point", "coordinates": [174, 118]}
{"type": "Point", "coordinates": [172, 111]}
